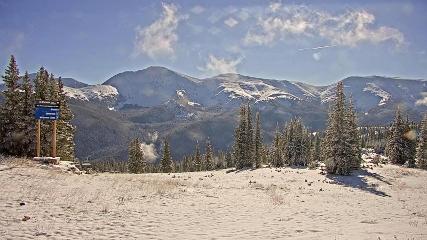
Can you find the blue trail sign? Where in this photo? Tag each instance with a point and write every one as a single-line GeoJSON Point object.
{"type": "Point", "coordinates": [47, 110]}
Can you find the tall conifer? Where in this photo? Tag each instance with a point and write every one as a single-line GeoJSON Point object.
{"type": "Point", "coordinates": [166, 161]}
{"type": "Point", "coordinates": [422, 145]}
{"type": "Point", "coordinates": [258, 142]}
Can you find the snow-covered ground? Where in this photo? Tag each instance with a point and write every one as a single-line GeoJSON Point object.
{"type": "Point", "coordinates": [386, 202]}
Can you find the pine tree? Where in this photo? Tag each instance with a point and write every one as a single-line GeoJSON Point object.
{"type": "Point", "coordinates": [41, 85]}
{"type": "Point", "coordinates": [422, 145]}
{"type": "Point", "coordinates": [65, 130]}
{"type": "Point", "coordinates": [229, 160]}
{"type": "Point", "coordinates": [208, 156]}
{"type": "Point", "coordinates": [249, 153]}
{"type": "Point", "coordinates": [277, 157]}
{"type": "Point", "coordinates": [410, 140]}
{"type": "Point", "coordinates": [337, 149]}
{"type": "Point", "coordinates": [353, 136]}
{"type": "Point", "coordinates": [197, 159]}
{"type": "Point", "coordinates": [296, 143]}
{"type": "Point", "coordinates": [166, 161]}
{"type": "Point", "coordinates": [136, 157]}
{"type": "Point", "coordinates": [315, 154]}
{"type": "Point", "coordinates": [10, 117]}
{"type": "Point", "coordinates": [258, 142]}
{"type": "Point", "coordinates": [241, 140]}
{"type": "Point", "coordinates": [396, 145]}
{"type": "Point", "coordinates": [27, 116]}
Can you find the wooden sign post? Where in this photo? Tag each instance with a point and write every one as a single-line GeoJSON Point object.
{"type": "Point", "coordinates": [46, 110]}
{"type": "Point", "coordinates": [38, 138]}
{"type": "Point", "coordinates": [54, 139]}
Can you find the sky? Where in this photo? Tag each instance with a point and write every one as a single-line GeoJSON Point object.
{"type": "Point", "coordinates": [317, 42]}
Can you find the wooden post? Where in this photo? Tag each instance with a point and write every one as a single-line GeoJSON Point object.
{"type": "Point", "coordinates": [38, 126]}
{"type": "Point", "coordinates": [54, 139]}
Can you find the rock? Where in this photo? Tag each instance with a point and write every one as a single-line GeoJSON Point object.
{"type": "Point", "coordinates": [26, 218]}
{"type": "Point", "coordinates": [321, 189]}
{"type": "Point", "coordinates": [21, 204]}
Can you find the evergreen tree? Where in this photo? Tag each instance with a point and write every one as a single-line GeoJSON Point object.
{"type": "Point", "coordinates": [166, 161]}
{"type": "Point", "coordinates": [197, 159]}
{"type": "Point", "coordinates": [65, 130]}
{"type": "Point", "coordinates": [258, 142]}
{"type": "Point", "coordinates": [27, 116]}
{"type": "Point", "coordinates": [243, 149]}
{"type": "Point", "coordinates": [11, 130]}
{"type": "Point", "coordinates": [277, 157]}
{"type": "Point", "coordinates": [136, 157]}
{"type": "Point", "coordinates": [41, 85]}
{"type": "Point", "coordinates": [337, 148]}
{"type": "Point", "coordinates": [241, 140]}
{"type": "Point", "coordinates": [422, 145]}
{"type": "Point", "coordinates": [396, 145]}
{"type": "Point", "coordinates": [229, 160]}
{"type": "Point", "coordinates": [410, 139]}
{"type": "Point", "coordinates": [249, 153]}
{"type": "Point", "coordinates": [208, 156]}
{"type": "Point", "coordinates": [353, 136]}
{"type": "Point", "coordinates": [315, 154]}
{"type": "Point", "coordinates": [296, 143]}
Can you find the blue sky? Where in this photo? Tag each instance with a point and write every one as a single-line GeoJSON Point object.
{"type": "Point", "coordinates": [317, 42]}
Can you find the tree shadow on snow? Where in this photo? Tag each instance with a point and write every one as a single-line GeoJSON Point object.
{"type": "Point", "coordinates": [358, 179]}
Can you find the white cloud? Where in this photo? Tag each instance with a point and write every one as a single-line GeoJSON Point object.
{"type": "Point", "coordinates": [316, 56]}
{"type": "Point", "coordinates": [221, 65]}
{"type": "Point", "coordinates": [159, 38]}
{"type": "Point", "coordinates": [274, 7]}
{"type": "Point", "coordinates": [231, 22]}
{"type": "Point", "coordinates": [197, 9]}
{"type": "Point", "coordinates": [243, 14]}
{"type": "Point", "coordinates": [347, 29]}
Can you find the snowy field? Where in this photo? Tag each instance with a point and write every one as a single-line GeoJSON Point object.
{"type": "Point", "coordinates": [386, 202]}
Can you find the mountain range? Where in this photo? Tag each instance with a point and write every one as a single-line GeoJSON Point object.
{"type": "Point", "coordinates": [157, 102]}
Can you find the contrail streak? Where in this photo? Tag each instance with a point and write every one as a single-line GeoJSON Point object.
{"type": "Point", "coordinates": [317, 48]}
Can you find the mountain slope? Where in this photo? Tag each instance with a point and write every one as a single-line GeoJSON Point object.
{"type": "Point", "coordinates": [159, 102]}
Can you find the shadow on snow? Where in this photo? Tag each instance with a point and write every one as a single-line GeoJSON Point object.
{"type": "Point", "coordinates": [358, 179]}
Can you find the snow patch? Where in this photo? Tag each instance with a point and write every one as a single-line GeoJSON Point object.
{"type": "Point", "coordinates": [255, 90]}
{"type": "Point", "coordinates": [95, 92]}
{"type": "Point", "coordinates": [375, 89]}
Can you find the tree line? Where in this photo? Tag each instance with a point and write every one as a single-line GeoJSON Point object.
{"type": "Point", "coordinates": [338, 147]}
{"type": "Point", "coordinates": [17, 123]}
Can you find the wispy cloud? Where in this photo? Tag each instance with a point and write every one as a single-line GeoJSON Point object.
{"type": "Point", "coordinates": [159, 38]}
{"type": "Point", "coordinates": [275, 6]}
{"type": "Point", "coordinates": [197, 9]}
{"type": "Point", "coordinates": [219, 65]}
{"type": "Point", "coordinates": [317, 56]}
{"type": "Point", "coordinates": [348, 29]}
{"type": "Point", "coordinates": [231, 22]}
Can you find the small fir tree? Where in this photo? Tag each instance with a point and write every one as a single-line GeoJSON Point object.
{"type": "Point", "coordinates": [136, 163]}
{"type": "Point", "coordinates": [209, 156]}
{"type": "Point", "coordinates": [166, 161]}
